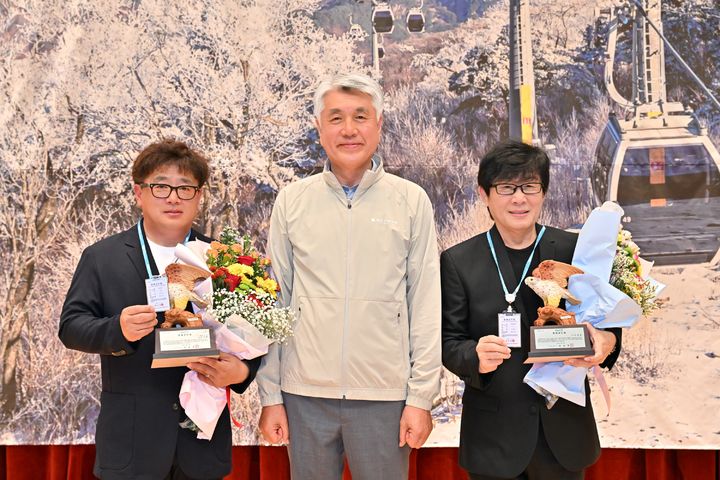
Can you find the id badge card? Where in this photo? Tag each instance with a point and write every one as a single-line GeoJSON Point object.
{"type": "Point", "coordinates": [158, 294]}
{"type": "Point", "coordinates": [509, 328]}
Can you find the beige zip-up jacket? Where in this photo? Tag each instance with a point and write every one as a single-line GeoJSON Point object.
{"type": "Point", "coordinates": [362, 277]}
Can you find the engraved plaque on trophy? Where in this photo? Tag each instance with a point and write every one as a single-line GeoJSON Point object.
{"type": "Point", "coordinates": [176, 347]}
{"type": "Point", "coordinates": [556, 343]}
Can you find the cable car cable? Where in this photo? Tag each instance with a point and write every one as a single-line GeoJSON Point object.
{"type": "Point", "coordinates": [677, 55]}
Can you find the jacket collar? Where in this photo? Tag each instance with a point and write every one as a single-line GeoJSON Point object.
{"type": "Point", "coordinates": [547, 245]}
{"type": "Point", "coordinates": [133, 251]}
{"type": "Point", "coordinates": [369, 178]}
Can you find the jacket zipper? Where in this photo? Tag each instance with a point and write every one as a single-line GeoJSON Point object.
{"type": "Point", "coordinates": [343, 383]}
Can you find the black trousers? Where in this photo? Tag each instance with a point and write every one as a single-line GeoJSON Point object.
{"type": "Point", "coordinates": [543, 466]}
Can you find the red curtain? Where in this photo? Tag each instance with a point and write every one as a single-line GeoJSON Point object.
{"type": "Point", "coordinates": [74, 462]}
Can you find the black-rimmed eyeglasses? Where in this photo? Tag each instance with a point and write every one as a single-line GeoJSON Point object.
{"type": "Point", "coordinates": [163, 190]}
{"type": "Point", "coordinates": [510, 188]}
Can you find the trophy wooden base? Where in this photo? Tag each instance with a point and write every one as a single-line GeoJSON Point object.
{"type": "Point", "coordinates": [176, 347]}
{"type": "Point", "coordinates": [557, 343]}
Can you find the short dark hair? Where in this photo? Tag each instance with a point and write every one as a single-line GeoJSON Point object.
{"type": "Point", "coordinates": [511, 160]}
{"type": "Point", "coordinates": [170, 152]}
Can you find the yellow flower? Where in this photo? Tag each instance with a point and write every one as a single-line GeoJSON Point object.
{"type": "Point", "coordinates": [239, 269]}
{"type": "Point", "coordinates": [267, 284]}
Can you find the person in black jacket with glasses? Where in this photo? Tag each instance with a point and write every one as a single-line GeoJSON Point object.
{"type": "Point", "coordinates": [107, 312]}
{"type": "Point", "coordinates": [507, 432]}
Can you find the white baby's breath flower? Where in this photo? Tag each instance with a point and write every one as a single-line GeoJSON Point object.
{"type": "Point", "coordinates": [626, 274]}
{"type": "Point", "coordinates": [258, 309]}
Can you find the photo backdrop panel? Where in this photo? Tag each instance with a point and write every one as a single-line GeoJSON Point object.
{"type": "Point", "coordinates": [88, 86]}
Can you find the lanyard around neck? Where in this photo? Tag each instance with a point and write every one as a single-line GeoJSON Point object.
{"type": "Point", "coordinates": [510, 297]}
{"type": "Point", "coordinates": [144, 249]}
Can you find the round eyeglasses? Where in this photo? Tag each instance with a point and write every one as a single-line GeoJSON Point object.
{"type": "Point", "coordinates": [163, 190]}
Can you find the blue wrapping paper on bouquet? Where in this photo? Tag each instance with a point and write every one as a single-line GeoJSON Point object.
{"type": "Point", "coordinates": [602, 305]}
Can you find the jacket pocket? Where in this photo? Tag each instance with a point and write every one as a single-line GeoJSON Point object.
{"type": "Point", "coordinates": [312, 356]}
{"type": "Point", "coordinates": [114, 433]}
{"type": "Point", "coordinates": [377, 346]}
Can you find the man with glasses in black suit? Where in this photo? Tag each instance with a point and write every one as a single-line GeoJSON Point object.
{"type": "Point", "coordinates": [107, 312]}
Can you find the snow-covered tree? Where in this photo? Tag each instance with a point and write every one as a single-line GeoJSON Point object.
{"type": "Point", "coordinates": [86, 84]}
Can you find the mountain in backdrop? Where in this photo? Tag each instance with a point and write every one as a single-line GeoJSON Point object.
{"type": "Point", "coordinates": [334, 15]}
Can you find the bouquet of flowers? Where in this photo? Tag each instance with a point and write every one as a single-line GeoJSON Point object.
{"type": "Point", "coordinates": [243, 289]}
{"type": "Point", "coordinates": [615, 291]}
{"type": "Point", "coordinates": [241, 311]}
{"type": "Point", "coordinates": [627, 273]}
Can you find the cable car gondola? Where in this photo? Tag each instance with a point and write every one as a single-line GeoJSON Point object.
{"type": "Point", "coordinates": [415, 20]}
{"type": "Point", "coordinates": [382, 19]}
{"type": "Point", "coordinates": [667, 180]}
{"type": "Point", "coordinates": [658, 163]}
{"type": "Point", "coordinates": [357, 32]}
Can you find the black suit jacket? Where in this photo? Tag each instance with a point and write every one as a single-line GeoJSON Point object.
{"type": "Point", "coordinates": [501, 415]}
{"type": "Point", "coordinates": [137, 432]}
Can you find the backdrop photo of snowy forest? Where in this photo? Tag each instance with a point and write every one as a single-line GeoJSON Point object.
{"type": "Point", "coordinates": [85, 85]}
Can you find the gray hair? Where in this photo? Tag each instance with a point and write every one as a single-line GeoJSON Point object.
{"type": "Point", "coordinates": [349, 81]}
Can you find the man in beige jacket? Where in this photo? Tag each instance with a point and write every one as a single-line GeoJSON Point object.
{"type": "Point", "coordinates": [355, 253]}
